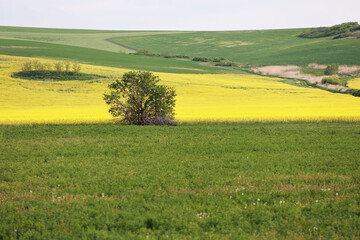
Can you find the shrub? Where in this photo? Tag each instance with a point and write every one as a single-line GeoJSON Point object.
{"type": "Point", "coordinates": [225, 64]}
{"type": "Point", "coordinates": [143, 52]}
{"type": "Point", "coordinates": [58, 67]}
{"type": "Point", "coordinates": [354, 92]}
{"type": "Point", "coordinates": [76, 68]}
{"type": "Point", "coordinates": [27, 66]}
{"type": "Point", "coordinates": [37, 66]}
{"type": "Point", "coordinates": [67, 66]}
{"type": "Point", "coordinates": [165, 54]}
{"type": "Point", "coordinates": [160, 121]}
{"type": "Point", "coordinates": [330, 80]}
{"type": "Point", "coordinates": [209, 59]}
{"type": "Point", "coordinates": [338, 31]}
{"type": "Point", "coordinates": [331, 69]}
{"type": "Point", "coordinates": [343, 35]}
{"type": "Point", "coordinates": [177, 56]}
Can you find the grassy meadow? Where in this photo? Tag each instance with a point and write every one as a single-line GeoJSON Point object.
{"type": "Point", "coordinates": [200, 98]}
{"type": "Point", "coordinates": [199, 181]}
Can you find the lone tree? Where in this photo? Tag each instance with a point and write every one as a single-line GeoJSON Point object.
{"type": "Point", "coordinates": [138, 99]}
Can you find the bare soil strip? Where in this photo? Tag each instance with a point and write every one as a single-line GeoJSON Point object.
{"type": "Point", "coordinates": [342, 69]}
{"type": "Point", "coordinates": [292, 71]}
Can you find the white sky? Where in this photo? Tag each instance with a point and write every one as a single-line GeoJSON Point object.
{"type": "Point", "coordinates": [177, 14]}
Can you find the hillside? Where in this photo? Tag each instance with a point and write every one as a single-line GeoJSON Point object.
{"type": "Point", "coordinates": [99, 57]}
{"type": "Point", "coordinates": [343, 30]}
{"type": "Point", "coordinates": [89, 46]}
{"type": "Point", "coordinates": [265, 47]}
{"type": "Point", "coordinates": [261, 47]}
{"type": "Point", "coordinates": [74, 37]}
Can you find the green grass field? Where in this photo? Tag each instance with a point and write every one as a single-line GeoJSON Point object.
{"type": "Point", "coordinates": [100, 57]}
{"type": "Point", "coordinates": [264, 47]}
{"type": "Point", "coordinates": [200, 181]}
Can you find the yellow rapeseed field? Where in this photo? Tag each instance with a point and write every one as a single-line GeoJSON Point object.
{"type": "Point", "coordinates": [354, 83]}
{"type": "Point", "coordinates": [200, 97]}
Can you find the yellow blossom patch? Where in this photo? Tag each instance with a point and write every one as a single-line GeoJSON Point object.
{"type": "Point", "coordinates": [200, 97]}
{"type": "Point", "coordinates": [354, 83]}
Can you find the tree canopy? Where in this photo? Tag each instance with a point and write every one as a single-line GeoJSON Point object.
{"type": "Point", "coordinates": [137, 98]}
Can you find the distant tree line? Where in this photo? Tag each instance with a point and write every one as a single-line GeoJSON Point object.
{"type": "Point", "coordinates": [59, 67]}
{"type": "Point", "coordinates": [337, 31]}
{"type": "Point", "coordinates": [209, 59]}
{"type": "Point", "coordinates": [165, 54]}
{"type": "Point", "coordinates": [220, 61]}
{"type": "Point", "coordinates": [59, 71]}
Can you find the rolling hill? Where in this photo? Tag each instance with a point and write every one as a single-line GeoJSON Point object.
{"type": "Point", "coordinates": [264, 47]}
{"type": "Point", "coordinates": [260, 47]}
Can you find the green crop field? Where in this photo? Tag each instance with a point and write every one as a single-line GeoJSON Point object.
{"type": "Point", "coordinates": [74, 37]}
{"type": "Point", "coordinates": [261, 47]}
{"type": "Point", "coordinates": [270, 181]}
{"type": "Point", "coordinates": [265, 47]}
{"type": "Point", "coordinates": [100, 57]}
{"type": "Point", "coordinates": [89, 46]}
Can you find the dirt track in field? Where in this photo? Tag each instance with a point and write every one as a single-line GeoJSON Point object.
{"type": "Point", "coordinates": [121, 45]}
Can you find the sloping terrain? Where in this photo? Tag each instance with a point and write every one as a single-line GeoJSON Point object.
{"type": "Point", "coordinates": [74, 37]}
{"type": "Point", "coordinates": [99, 57]}
{"type": "Point", "coordinates": [264, 47]}
{"type": "Point", "coordinates": [260, 47]}
{"type": "Point", "coordinates": [89, 46]}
